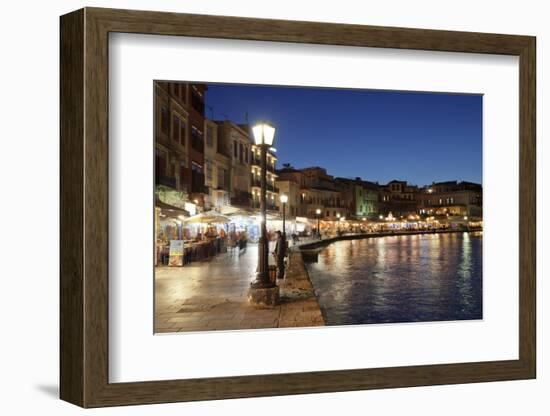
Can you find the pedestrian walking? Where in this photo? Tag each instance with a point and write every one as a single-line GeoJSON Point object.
{"type": "Point", "coordinates": [280, 253]}
{"type": "Point", "coordinates": [243, 239]}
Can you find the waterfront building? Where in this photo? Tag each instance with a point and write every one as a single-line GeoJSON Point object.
{"type": "Point", "coordinates": [195, 106]}
{"type": "Point", "coordinates": [217, 168]}
{"type": "Point", "coordinates": [321, 191]}
{"type": "Point", "coordinates": [291, 188]}
{"type": "Point", "coordinates": [361, 197]}
{"type": "Point", "coordinates": [452, 198]}
{"type": "Point", "coordinates": [318, 190]}
{"type": "Point", "coordinates": [234, 141]}
{"type": "Point", "coordinates": [179, 146]}
{"type": "Point", "coordinates": [398, 198]}
{"type": "Point", "coordinates": [171, 150]}
{"type": "Point", "coordinates": [272, 191]}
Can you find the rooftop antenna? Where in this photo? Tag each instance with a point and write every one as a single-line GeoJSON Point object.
{"type": "Point", "coordinates": [211, 111]}
{"type": "Point", "coordinates": [246, 117]}
{"type": "Point", "coordinates": [226, 116]}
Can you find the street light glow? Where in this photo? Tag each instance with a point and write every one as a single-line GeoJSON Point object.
{"type": "Point", "coordinates": [318, 211]}
{"type": "Point", "coordinates": [263, 133]}
{"type": "Point", "coordinates": [283, 198]}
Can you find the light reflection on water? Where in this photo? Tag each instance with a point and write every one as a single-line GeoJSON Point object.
{"type": "Point", "coordinates": [414, 278]}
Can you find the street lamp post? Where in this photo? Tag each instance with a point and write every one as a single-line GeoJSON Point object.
{"type": "Point", "coordinates": [318, 212]}
{"type": "Point", "coordinates": [281, 253]}
{"type": "Point", "coordinates": [263, 292]}
{"type": "Point", "coordinates": [284, 199]}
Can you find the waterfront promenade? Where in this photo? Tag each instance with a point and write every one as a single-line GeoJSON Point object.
{"type": "Point", "coordinates": [212, 295]}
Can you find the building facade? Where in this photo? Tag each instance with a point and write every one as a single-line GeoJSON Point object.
{"type": "Point", "coordinates": [318, 191]}
{"type": "Point", "coordinates": [452, 198]}
{"type": "Point", "coordinates": [361, 197]}
{"type": "Point", "coordinates": [272, 191]}
{"type": "Point", "coordinates": [217, 168]}
{"type": "Point", "coordinates": [234, 142]}
{"type": "Point", "coordinates": [398, 198]}
{"type": "Point", "coordinates": [179, 147]}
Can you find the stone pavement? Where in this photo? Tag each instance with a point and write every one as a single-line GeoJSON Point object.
{"type": "Point", "coordinates": [212, 295]}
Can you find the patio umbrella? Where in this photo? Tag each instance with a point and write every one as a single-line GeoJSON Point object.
{"type": "Point", "coordinates": [207, 218]}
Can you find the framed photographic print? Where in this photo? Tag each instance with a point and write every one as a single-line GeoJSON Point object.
{"type": "Point", "coordinates": [256, 207]}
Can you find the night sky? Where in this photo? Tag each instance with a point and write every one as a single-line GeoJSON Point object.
{"type": "Point", "coordinates": [377, 135]}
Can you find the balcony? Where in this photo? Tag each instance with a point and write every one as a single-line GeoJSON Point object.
{"type": "Point", "coordinates": [270, 206]}
{"type": "Point", "coordinates": [197, 183]}
{"type": "Point", "coordinates": [256, 160]}
{"type": "Point", "coordinates": [166, 181]}
{"type": "Point", "coordinates": [255, 181]}
{"type": "Point", "coordinates": [241, 198]}
{"type": "Point", "coordinates": [197, 143]}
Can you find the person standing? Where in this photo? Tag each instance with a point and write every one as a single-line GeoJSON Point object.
{"type": "Point", "coordinates": [280, 253]}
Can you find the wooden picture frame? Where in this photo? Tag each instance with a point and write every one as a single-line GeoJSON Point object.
{"type": "Point", "coordinates": [84, 207]}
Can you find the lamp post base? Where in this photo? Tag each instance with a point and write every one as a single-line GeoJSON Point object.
{"type": "Point", "coordinates": [261, 296]}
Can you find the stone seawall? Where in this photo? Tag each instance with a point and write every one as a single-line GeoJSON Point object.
{"type": "Point", "coordinates": [327, 241]}
{"type": "Point", "coordinates": [299, 304]}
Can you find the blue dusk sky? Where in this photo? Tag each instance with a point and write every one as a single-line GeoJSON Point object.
{"type": "Point", "coordinates": [419, 137]}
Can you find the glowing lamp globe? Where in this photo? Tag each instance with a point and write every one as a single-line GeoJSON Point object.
{"type": "Point", "coordinates": [264, 134]}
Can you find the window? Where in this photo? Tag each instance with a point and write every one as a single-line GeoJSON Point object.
{"type": "Point", "coordinates": [179, 129]}
{"type": "Point", "coordinates": [195, 167]}
{"type": "Point", "coordinates": [164, 120]}
{"type": "Point", "coordinates": [160, 163]}
{"type": "Point", "coordinates": [241, 152]}
{"type": "Point", "coordinates": [221, 178]}
{"type": "Point", "coordinates": [209, 169]}
{"type": "Point", "coordinates": [246, 154]}
{"type": "Point", "coordinates": [183, 91]}
{"type": "Point", "coordinates": [209, 136]}
{"type": "Point", "coordinates": [183, 133]}
{"type": "Point", "coordinates": [197, 101]}
{"type": "Point", "coordinates": [175, 128]}
{"type": "Point", "coordinates": [183, 176]}
{"type": "Point", "coordinates": [235, 149]}
{"type": "Point", "coordinates": [197, 141]}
